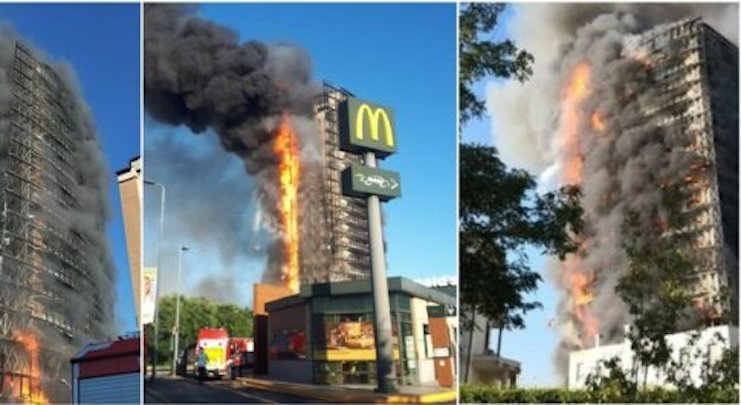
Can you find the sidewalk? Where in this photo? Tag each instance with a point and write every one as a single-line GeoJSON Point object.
{"type": "Point", "coordinates": [354, 393]}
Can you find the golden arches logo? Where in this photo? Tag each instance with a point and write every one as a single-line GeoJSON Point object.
{"type": "Point", "coordinates": [374, 118]}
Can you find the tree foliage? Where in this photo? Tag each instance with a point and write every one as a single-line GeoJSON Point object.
{"type": "Point", "coordinates": [657, 291]}
{"type": "Point", "coordinates": [479, 394]}
{"type": "Point", "coordinates": [196, 313]}
{"type": "Point", "coordinates": [500, 214]}
{"type": "Point", "coordinates": [481, 56]}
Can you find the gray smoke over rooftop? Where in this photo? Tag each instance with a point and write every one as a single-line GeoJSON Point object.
{"type": "Point", "coordinates": [525, 111]}
{"type": "Point", "coordinates": [624, 165]}
{"type": "Point", "coordinates": [199, 74]}
{"type": "Point", "coordinates": [88, 303]}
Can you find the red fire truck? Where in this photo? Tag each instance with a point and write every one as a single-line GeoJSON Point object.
{"type": "Point", "coordinates": [224, 355]}
{"type": "Point", "coordinates": [214, 343]}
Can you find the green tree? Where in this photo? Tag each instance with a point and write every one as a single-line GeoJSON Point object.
{"type": "Point", "coordinates": [501, 214]}
{"type": "Point", "coordinates": [658, 294]}
{"type": "Point", "coordinates": [655, 288]}
{"type": "Point", "coordinates": [197, 313]}
{"type": "Point", "coordinates": [480, 56]}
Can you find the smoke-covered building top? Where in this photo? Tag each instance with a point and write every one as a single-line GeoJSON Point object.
{"type": "Point", "coordinates": [56, 273]}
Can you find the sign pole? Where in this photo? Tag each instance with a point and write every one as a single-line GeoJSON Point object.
{"type": "Point", "coordinates": [367, 128]}
{"type": "Point", "coordinates": [381, 306]}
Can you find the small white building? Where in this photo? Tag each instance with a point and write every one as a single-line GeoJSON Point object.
{"type": "Point", "coordinates": [479, 363]}
{"type": "Point", "coordinates": [712, 341]}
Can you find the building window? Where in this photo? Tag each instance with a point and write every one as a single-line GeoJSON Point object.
{"type": "Point", "coordinates": [427, 340]}
{"type": "Point", "coordinates": [579, 371]}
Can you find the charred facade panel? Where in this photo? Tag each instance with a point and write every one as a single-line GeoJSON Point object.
{"type": "Point", "coordinates": [721, 72]}
{"type": "Point", "coordinates": [698, 70]}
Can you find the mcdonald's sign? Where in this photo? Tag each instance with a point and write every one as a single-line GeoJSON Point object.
{"type": "Point", "coordinates": [366, 126]}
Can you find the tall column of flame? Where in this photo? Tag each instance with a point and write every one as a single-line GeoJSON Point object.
{"type": "Point", "coordinates": [575, 275]}
{"type": "Point", "coordinates": [286, 148]}
{"type": "Point", "coordinates": [32, 393]}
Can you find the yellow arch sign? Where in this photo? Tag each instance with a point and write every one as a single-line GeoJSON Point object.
{"type": "Point", "coordinates": [374, 117]}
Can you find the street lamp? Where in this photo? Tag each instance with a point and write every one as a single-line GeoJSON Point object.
{"type": "Point", "coordinates": [176, 331]}
{"type": "Point", "coordinates": [159, 269]}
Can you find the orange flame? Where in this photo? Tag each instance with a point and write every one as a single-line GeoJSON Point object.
{"type": "Point", "coordinates": [579, 282]}
{"type": "Point", "coordinates": [597, 122]}
{"type": "Point", "coordinates": [32, 393]}
{"type": "Point", "coordinates": [577, 279]}
{"type": "Point", "coordinates": [571, 115]}
{"type": "Point", "coordinates": [286, 147]}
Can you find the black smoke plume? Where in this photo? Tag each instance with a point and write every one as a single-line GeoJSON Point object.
{"type": "Point", "coordinates": [199, 74]}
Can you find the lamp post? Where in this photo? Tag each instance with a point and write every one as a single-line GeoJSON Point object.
{"type": "Point", "coordinates": [176, 331]}
{"type": "Point", "coordinates": [159, 269]}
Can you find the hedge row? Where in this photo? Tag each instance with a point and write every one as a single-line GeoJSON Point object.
{"type": "Point", "coordinates": [489, 394]}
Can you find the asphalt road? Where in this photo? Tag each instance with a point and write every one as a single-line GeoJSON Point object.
{"type": "Point", "coordinates": [187, 390]}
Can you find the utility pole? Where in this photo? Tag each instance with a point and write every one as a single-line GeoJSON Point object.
{"type": "Point", "coordinates": [176, 330]}
{"type": "Point", "coordinates": [159, 270]}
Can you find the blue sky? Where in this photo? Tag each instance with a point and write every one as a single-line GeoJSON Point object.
{"type": "Point", "coordinates": [535, 345]}
{"type": "Point", "coordinates": [398, 55]}
{"type": "Point", "coordinates": [101, 42]}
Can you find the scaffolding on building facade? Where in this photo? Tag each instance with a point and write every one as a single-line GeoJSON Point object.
{"type": "Point", "coordinates": [343, 236]}
{"type": "Point", "coordinates": [695, 68]}
{"type": "Point", "coordinates": [47, 289]}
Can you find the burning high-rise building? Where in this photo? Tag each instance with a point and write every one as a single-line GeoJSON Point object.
{"type": "Point", "coordinates": [336, 246]}
{"type": "Point", "coordinates": [693, 105]}
{"type": "Point", "coordinates": [56, 275]}
{"type": "Point", "coordinates": [687, 125]}
{"type": "Point", "coordinates": [637, 102]}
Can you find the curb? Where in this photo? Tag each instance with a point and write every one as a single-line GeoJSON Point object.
{"type": "Point", "coordinates": [347, 395]}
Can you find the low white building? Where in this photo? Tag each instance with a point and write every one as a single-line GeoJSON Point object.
{"type": "Point", "coordinates": [712, 341]}
{"type": "Point", "coordinates": [479, 363]}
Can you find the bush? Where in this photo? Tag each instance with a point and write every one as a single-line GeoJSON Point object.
{"type": "Point", "coordinates": [489, 394]}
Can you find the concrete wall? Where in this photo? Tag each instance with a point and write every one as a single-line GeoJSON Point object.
{"type": "Point", "coordinates": [425, 365]}
{"type": "Point", "coordinates": [129, 189]}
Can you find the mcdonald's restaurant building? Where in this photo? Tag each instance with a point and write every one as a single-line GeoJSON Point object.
{"type": "Point", "coordinates": [324, 334]}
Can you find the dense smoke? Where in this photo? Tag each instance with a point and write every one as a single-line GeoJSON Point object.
{"type": "Point", "coordinates": [200, 75]}
{"type": "Point", "coordinates": [622, 158]}
{"type": "Point", "coordinates": [86, 307]}
{"type": "Point", "coordinates": [526, 112]}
